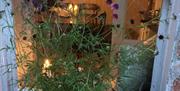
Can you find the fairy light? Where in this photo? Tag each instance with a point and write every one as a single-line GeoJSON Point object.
{"type": "Point", "coordinates": [76, 9]}
{"type": "Point", "coordinates": [70, 7]}
{"type": "Point", "coordinates": [71, 21]}
{"type": "Point", "coordinates": [46, 65]}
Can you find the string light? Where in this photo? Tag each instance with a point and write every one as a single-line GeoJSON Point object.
{"type": "Point", "coordinates": [76, 9]}
{"type": "Point", "coordinates": [70, 7]}
{"type": "Point", "coordinates": [47, 63]}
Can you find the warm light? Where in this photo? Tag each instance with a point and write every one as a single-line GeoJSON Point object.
{"type": "Point", "coordinates": [47, 63]}
{"type": "Point", "coordinates": [70, 7]}
{"type": "Point", "coordinates": [71, 21]}
{"type": "Point", "coordinates": [76, 9]}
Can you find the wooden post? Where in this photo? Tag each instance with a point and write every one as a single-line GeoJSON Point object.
{"type": "Point", "coordinates": [119, 25]}
{"type": "Point", "coordinates": [158, 4]}
{"type": "Point", "coordinates": [117, 34]}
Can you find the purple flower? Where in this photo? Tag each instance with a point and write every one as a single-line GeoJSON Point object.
{"type": "Point", "coordinates": [115, 16]}
{"type": "Point", "coordinates": [37, 4]}
{"type": "Point", "coordinates": [115, 6]}
{"type": "Point", "coordinates": [109, 2]}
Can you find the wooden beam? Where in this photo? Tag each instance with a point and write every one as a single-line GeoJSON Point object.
{"type": "Point", "coordinates": [119, 25]}
{"type": "Point", "coordinates": [117, 35]}
{"type": "Point", "coordinates": [158, 4]}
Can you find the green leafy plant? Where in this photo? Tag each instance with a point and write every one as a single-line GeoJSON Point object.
{"type": "Point", "coordinates": [78, 55]}
{"type": "Point", "coordinates": [135, 64]}
{"type": "Point", "coordinates": [79, 59]}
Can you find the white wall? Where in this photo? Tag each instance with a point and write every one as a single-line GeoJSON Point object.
{"type": "Point", "coordinates": [166, 66]}
{"type": "Point", "coordinates": [8, 78]}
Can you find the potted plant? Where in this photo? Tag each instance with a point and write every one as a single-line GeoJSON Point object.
{"type": "Point", "coordinates": [135, 67]}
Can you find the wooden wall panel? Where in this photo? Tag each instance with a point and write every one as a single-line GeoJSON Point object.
{"type": "Point", "coordinates": [23, 34]}
{"type": "Point", "coordinates": [133, 10]}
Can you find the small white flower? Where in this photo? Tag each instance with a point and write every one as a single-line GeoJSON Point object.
{"type": "Point", "coordinates": [99, 75]}
{"type": "Point", "coordinates": [63, 34]}
{"type": "Point", "coordinates": [94, 82]}
{"type": "Point", "coordinates": [108, 47]}
{"type": "Point", "coordinates": [80, 69]}
{"type": "Point", "coordinates": [59, 86]}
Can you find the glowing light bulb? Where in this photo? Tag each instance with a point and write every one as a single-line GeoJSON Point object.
{"type": "Point", "coordinates": [76, 9]}
{"type": "Point", "coordinates": [70, 7]}
{"type": "Point", "coordinates": [71, 21]}
{"type": "Point", "coordinates": [47, 63]}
